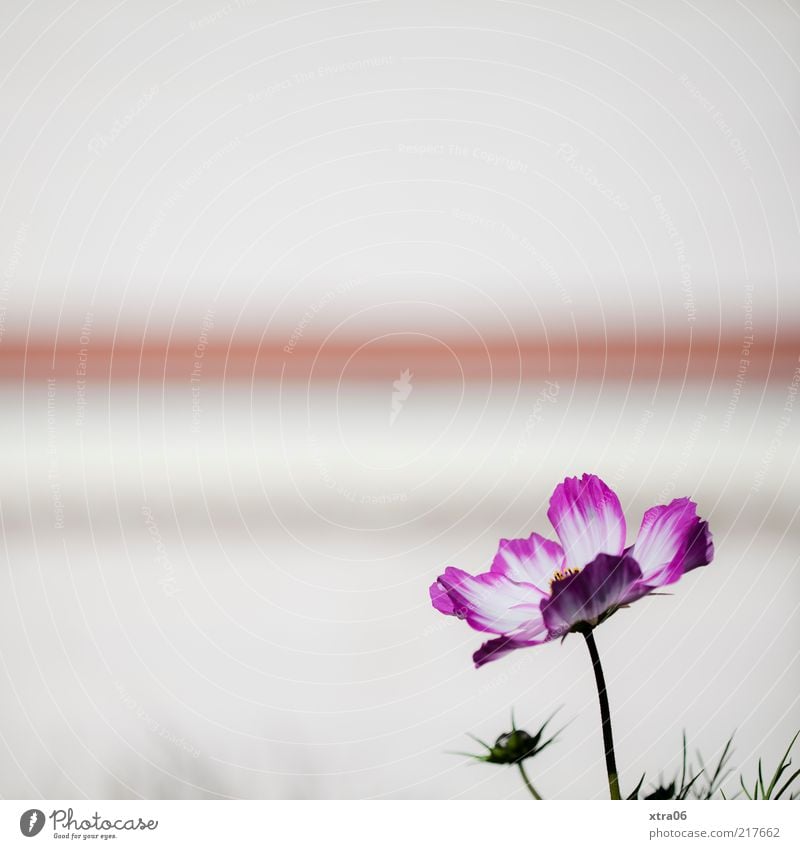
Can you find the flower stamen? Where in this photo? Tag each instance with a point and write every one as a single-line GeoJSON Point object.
{"type": "Point", "coordinates": [563, 574]}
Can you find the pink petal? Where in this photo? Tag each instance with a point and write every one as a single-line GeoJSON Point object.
{"type": "Point", "coordinates": [534, 560]}
{"type": "Point", "coordinates": [440, 599]}
{"type": "Point", "coordinates": [672, 540]}
{"type": "Point", "coordinates": [499, 647]}
{"type": "Point", "coordinates": [699, 548]}
{"type": "Point", "coordinates": [588, 519]}
{"type": "Point", "coordinates": [491, 602]}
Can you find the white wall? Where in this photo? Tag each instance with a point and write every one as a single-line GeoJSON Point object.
{"type": "Point", "coordinates": [500, 158]}
{"type": "Point", "coordinates": [267, 616]}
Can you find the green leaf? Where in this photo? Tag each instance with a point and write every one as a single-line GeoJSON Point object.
{"type": "Point", "coordinates": [685, 790]}
{"type": "Point", "coordinates": [787, 785]}
{"type": "Point", "coordinates": [782, 767]}
{"type": "Point", "coordinates": [635, 793]}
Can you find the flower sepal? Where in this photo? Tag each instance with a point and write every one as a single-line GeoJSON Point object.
{"type": "Point", "coordinates": [515, 746]}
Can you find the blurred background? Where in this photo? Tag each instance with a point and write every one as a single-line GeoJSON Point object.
{"type": "Point", "coordinates": [301, 303]}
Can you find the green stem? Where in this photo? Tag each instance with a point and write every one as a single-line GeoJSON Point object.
{"type": "Point", "coordinates": [527, 781]}
{"type": "Point", "coordinates": [605, 715]}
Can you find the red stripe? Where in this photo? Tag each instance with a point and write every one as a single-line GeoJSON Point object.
{"type": "Point", "coordinates": [648, 357]}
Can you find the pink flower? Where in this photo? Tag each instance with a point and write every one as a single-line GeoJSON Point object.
{"type": "Point", "coordinates": [537, 590]}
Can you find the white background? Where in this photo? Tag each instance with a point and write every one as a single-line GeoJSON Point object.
{"type": "Point", "coordinates": [156, 165]}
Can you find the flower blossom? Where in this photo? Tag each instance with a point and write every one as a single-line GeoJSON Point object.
{"type": "Point", "coordinates": [538, 590]}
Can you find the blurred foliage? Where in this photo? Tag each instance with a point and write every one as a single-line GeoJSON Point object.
{"type": "Point", "coordinates": [705, 781]}
{"type": "Point", "coordinates": [778, 785]}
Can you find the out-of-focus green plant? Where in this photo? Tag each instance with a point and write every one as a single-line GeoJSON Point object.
{"type": "Point", "coordinates": [778, 785]}
{"type": "Point", "coordinates": [692, 783]}
{"type": "Point", "coordinates": [706, 782]}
